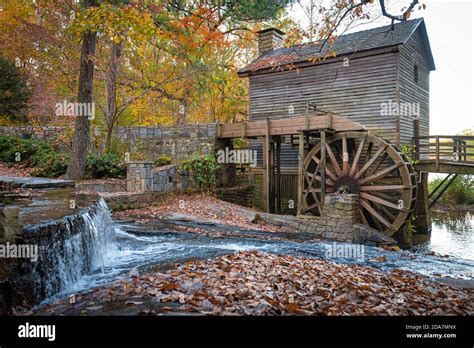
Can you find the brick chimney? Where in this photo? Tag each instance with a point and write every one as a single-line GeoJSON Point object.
{"type": "Point", "coordinates": [269, 39]}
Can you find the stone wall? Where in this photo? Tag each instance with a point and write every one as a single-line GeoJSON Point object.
{"type": "Point", "coordinates": [134, 200]}
{"type": "Point", "coordinates": [142, 176]}
{"type": "Point", "coordinates": [108, 185]}
{"type": "Point", "coordinates": [33, 132]}
{"type": "Point", "coordinates": [340, 221]}
{"type": "Point", "coordinates": [179, 142]}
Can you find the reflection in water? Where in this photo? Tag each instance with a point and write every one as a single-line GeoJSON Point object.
{"type": "Point", "coordinates": [453, 234]}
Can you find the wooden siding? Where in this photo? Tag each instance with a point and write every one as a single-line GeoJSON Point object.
{"type": "Point", "coordinates": [411, 54]}
{"type": "Point", "coordinates": [356, 92]}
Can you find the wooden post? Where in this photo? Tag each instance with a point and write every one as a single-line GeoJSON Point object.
{"type": "Point", "coordinates": [422, 210]}
{"type": "Point", "coordinates": [306, 120]}
{"type": "Point", "coordinates": [278, 174]}
{"type": "Point", "coordinates": [244, 129]}
{"type": "Point", "coordinates": [226, 173]}
{"type": "Point", "coordinates": [323, 169]}
{"type": "Point", "coordinates": [464, 143]}
{"type": "Point", "coordinates": [268, 153]}
{"type": "Point", "coordinates": [300, 174]}
{"type": "Point", "coordinates": [437, 153]}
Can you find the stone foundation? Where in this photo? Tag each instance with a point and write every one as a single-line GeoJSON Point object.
{"type": "Point", "coordinates": [242, 195]}
{"type": "Point", "coordinates": [340, 222]}
{"type": "Point", "coordinates": [143, 177]}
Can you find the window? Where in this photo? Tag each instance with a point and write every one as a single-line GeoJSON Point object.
{"type": "Point", "coordinates": [415, 74]}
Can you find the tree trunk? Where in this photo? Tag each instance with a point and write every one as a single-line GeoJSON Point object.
{"type": "Point", "coordinates": [111, 91]}
{"type": "Point", "coordinates": [77, 164]}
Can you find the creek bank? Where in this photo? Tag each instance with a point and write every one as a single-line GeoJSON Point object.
{"type": "Point", "coordinates": [441, 207]}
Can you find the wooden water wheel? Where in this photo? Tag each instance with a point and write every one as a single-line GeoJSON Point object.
{"type": "Point", "coordinates": [364, 164]}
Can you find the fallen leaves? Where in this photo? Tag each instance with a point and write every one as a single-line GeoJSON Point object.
{"type": "Point", "coordinates": [255, 283]}
{"type": "Point", "coordinates": [201, 206]}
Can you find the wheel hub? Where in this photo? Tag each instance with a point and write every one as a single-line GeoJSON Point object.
{"type": "Point", "coordinates": [346, 184]}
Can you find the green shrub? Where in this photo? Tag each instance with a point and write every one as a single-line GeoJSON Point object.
{"type": "Point", "coordinates": [202, 170]}
{"type": "Point", "coordinates": [33, 153]}
{"type": "Point", "coordinates": [461, 190]}
{"type": "Point", "coordinates": [105, 165]}
{"type": "Point", "coordinates": [26, 148]}
{"type": "Point", "coordinates": [53, 164]}
{"type": "Point", "coordinates": [162, 160]}
{"type": "Point", "coordinates": [408, 152]}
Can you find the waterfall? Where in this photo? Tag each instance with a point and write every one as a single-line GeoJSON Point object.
{"type": "Point", "coordinates": [69, 249]}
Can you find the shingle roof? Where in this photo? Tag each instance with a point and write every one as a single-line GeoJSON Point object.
{"type": "Point", "coordinates": [345, 44]}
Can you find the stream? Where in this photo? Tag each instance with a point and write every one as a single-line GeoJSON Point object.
{"type": "Point", "coordinates": [137, 248]}
{"type": "Point", "coordinates": [82, 247]}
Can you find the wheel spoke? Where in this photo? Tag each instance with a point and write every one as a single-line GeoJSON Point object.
{"type": "Point", "coordinates": [318, 190]}
{"type": "Point", "coordinates": [388, 213]}
{"type": "Point", "coordinates": [374, 213]}
{"type": "Point", "coordinates": [357, 156]}
{"type": "Point", "coordinates": [382, 188]}
{"type": "Point", "coordinates": [312, 206]}
{"type": "Point", "coordinates": [333, 160]}
{"type": "Point", "coordinates": [377, 165]}
{"type": "Point", "coordinates": [369, 163]}
{"type": "Point", "coordinates": [328, 171]}
{"type": "Point", "coordinates": [345, 156]}
{"type": "Point", "coordinates": [361, 213]}
{"type": "Point", "coordinates": [329, 182]}
{"type": "Point", "coordinates": [380, 174]}
{"type": "Point", "coordinates": [378, 200]}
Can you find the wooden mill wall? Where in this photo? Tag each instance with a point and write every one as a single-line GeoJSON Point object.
{"type": "Point", "coordinates": [356, 91]}
{"type": "Point", "coordinates": [411, 54]}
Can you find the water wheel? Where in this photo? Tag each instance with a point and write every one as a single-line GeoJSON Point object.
{"type": "Point", "coordinates": [364, 164]}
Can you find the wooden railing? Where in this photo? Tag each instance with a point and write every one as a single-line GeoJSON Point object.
{"type": "Point", "coordinates": [438, 149]}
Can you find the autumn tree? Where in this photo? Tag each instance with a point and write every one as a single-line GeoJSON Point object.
{"type": "Point", "coordinates": [80, 145]}
{"type": "Point", "coordinates": [14, 92]}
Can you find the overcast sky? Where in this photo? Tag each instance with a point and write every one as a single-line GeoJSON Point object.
{"type": "Point", "coordinates": [449, 25]}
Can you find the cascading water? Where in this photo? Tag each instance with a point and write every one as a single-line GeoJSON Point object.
{"type": "Point", "coordinates": [81, 244]}
{"type": "Point", "coordinates": [86, 250]}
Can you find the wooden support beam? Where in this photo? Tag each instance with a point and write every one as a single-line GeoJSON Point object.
{"type": "Point", "coordinates": [301, 156]}
{"type": "Point", "coordinates": [306, 120]}
{"type": "Point", "coordinates": [243, 129]}
{"type": "Point", "coordinates": [439, 186]}
{"type": "Point", "coordinates": [323, 168]}
{"type": "Point", "coordinates": [437, 153]}
{"type": "Point", "coordinates": [268, 155]}
{"type": "Point", "coordinates": [278, 174]}
{"type": "Point", "coordinates": [443, 190]}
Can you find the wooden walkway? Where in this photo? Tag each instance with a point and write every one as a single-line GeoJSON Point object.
{"type": "Point", "coordinates": [449, 154]}
{"type": "Point", "coordinates": [288, 126]}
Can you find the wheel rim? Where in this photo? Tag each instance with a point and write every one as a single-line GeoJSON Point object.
{"type": "Point", "coordinates": [363, 164]}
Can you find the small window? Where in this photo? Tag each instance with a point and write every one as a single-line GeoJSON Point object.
{"type": "Point", "coordinates": [415, 74]}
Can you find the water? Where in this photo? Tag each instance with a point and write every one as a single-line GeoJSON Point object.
{"type": "Point", "coordinates": [83, 244]}
{"type": "Point", "coordinates": [116, 249]}
{"type": "Point", "coordinates": [452, 234]}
